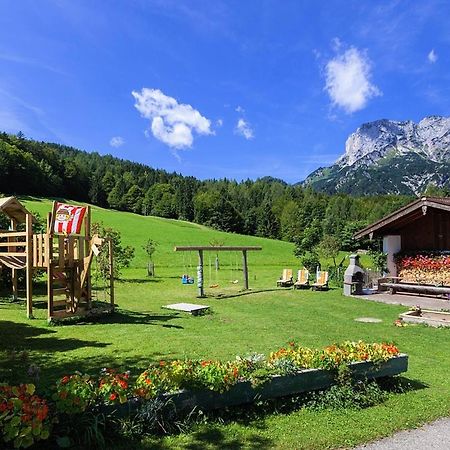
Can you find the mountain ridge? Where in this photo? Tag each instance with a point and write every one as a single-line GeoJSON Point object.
{"type": "Point", "coordinates": [390, 157]}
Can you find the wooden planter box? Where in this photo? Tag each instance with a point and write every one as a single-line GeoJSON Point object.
{"type": "Point", "coordinates": [282, 386]}
{"type": "Point", "coordinates": [278, 386]}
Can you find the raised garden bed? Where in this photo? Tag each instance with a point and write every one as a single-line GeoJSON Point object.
{"type": "Point", "coordinates": [278, 386]}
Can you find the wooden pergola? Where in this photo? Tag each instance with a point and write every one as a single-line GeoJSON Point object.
{"type": "Point", "coordinates": [200, 249]}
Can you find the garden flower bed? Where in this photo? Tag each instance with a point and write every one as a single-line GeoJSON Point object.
{"type": "Point", "coordinates": [282, 385]}
{"type": "Point", "coordinates": [189, 384]}
{"type": "Point", "coordinates": [425, 268]}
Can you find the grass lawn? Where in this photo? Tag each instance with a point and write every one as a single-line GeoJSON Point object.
{"type": "Point", "coordinates": [141, 332]}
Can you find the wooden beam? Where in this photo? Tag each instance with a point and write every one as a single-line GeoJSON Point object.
{"type": "Point", "coordinates": [201, 290]}
{"type": "Point", "coordinates": [88, 244]}
{"type": "Point", "coordinates": [29, 262]}
{"type": "Point", "coordinates": [111, 273]}
{"type": "Point", "coordinates": [49, 263]}
{"type": "Point", "coordinates": [14, 271]}
{"type": "Point", "coordinates": [245, 268]}
{"type": "Point", "coordinates": [208, 248]}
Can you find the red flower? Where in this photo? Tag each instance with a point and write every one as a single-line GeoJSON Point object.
{"type": "Point", "coordinates": [113, 396]}
{"type": "Point", "coordinates": [65, 379]}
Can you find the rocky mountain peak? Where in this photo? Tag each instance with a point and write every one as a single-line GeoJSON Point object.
{"type": "Point", "coordinates": [374, 140]}
{"type": "Point", "coordinates": [388, 156]}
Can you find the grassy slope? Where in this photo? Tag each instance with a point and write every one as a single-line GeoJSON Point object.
{"type": "Point", "coordinates": [142, 332]}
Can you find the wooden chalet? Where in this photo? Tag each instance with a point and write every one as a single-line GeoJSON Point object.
{"type": "Point", "coordinates": [421, 225]}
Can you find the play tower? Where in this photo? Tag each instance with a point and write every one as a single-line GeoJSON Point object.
{"type": "Point", "coordinates": [65, 252]}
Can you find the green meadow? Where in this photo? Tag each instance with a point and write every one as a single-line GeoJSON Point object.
{"type": "Point", "coordinates": [266, 318]}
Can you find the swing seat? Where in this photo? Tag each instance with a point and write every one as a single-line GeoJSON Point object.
{"type": "Point", "coordinates": [186, 279]}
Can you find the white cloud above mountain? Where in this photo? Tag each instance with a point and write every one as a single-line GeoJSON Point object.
{"type": "Point", "coordinates": [348, 80]}
{"type": "Point", "coordinates": [171, 122]}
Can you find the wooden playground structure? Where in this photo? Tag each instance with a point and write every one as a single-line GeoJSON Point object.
{"type": "Point", "coordinates": [66, 256]}
{"type": "Point", "coordinates": [211, 248]}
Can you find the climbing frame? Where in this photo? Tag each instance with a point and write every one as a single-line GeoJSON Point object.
{"type": "Point", "coordinates": [66, 258]}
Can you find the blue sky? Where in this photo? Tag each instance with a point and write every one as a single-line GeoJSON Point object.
{"type": "Point", "coordinates": [236, 89]}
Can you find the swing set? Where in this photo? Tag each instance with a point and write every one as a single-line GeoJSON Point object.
{"type": "Point", "coordinates": [201, 249]}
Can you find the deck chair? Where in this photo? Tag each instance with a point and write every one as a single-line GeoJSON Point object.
{"type": "Point", "coordinates": [286, 278]}
{"type": "Point", "coordinates": [321, 283]}
{"type": "Point", "coordinates": [302, 279]}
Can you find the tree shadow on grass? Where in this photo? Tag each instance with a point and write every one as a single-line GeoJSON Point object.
{"type": "Point", "coordinates": [141, 280]}
{"type": "Point", "coordinates": [23, 345]}
{"type": "Point", "coordinates": [214, 438]}
{"type": "Point", "coordinates": [17, 335]}
{"type": "Point", "coordinates": [244, 292]}
{"type": "Point", "coordinates": [124, 316]}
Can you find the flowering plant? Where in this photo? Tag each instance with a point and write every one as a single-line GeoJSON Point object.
{"type": "Point", "coordinates": [431, 268]}
{"type": "Point", "coordinates": [333, 356]}
{"type": "Point", "coordinates": [24, 417]}
{"type": "Point", "coordinates": [74, 393]}
{"type": "Point", "coordinates": [113, 386]}
{"type": "Point", "coordinates": [218, 376]}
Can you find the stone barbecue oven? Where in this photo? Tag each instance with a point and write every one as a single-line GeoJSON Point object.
{"type": "Point", "coordinates": [353, 277]}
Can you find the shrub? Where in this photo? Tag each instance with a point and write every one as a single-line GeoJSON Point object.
{"type": "Point", "coordinates": [24, 416]}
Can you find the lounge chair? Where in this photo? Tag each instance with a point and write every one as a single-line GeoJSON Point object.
{"type": "Point", "coordinates": [286, 278]}
{"type": "Point", "coordinates": [321, 283]}
{"type": "Point", "coordinates": [302, 279]}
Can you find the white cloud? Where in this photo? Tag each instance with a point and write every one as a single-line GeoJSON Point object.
{"type": "Point", "coordinates": [171, 122]}
{"type": "Point", "coordinates": [219, 122]}
{"type": "Point", "coordinates": [348, 80]}
{"type": "Point", "coordinates": [432, 56]}
{"type": "Point", "coordinates": [116, 141]}
{"type": "Point", "coordinates": [240, 109]}
{"type": "Point", "coordinates": [243, 128]}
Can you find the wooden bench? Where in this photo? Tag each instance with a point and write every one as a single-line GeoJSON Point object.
{"type": "Point", "coordinates": [393, 287]}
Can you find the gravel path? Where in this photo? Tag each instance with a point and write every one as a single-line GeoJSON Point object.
{"type": "Point", "coordinates": [433, 436]}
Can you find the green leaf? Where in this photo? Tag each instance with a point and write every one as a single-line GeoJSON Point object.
{"type": "Point", "coordinates": [30, 389]}
{"type": "Point", "coordinates": [15, 421]}
{"type": "Point", "coordinates": [64, 442]}
{"type": "Point", "coordinates": [45, 434]}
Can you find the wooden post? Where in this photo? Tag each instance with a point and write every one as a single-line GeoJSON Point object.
{"type": "Point", "coordinates": [245, 268]}
{"type": "Point", "coordinates": [51, 217]}
{"type": "Point", "coordinates": [88, 243]}
{"type": "Point", "coordinates": [111, 273]}
{"type": "Point", "coordinates": [49, 262]}
{"type": "Point", "coordinates": [201, 291]}
{"type": "Point", "coordinates": [29, 264]}
{"type": "Point", "coordinates": [14, 271]}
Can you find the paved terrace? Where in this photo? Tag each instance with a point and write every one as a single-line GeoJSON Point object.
{"type": "Point", "coordinates": [424, 301]}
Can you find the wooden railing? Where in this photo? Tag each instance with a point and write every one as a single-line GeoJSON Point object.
{"type": "Point", "coordinates": [62, 250]}
{"type": "Point", "coordinates": [13, 243]}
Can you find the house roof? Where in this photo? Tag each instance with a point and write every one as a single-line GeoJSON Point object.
{"type": "Point", "coordinates": [404, 215]}
{"type": "Point", "coordinates": [13, 209]}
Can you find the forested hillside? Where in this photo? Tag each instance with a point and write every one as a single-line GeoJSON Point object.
{"type": "Point", "coordinates": [266, 207]}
